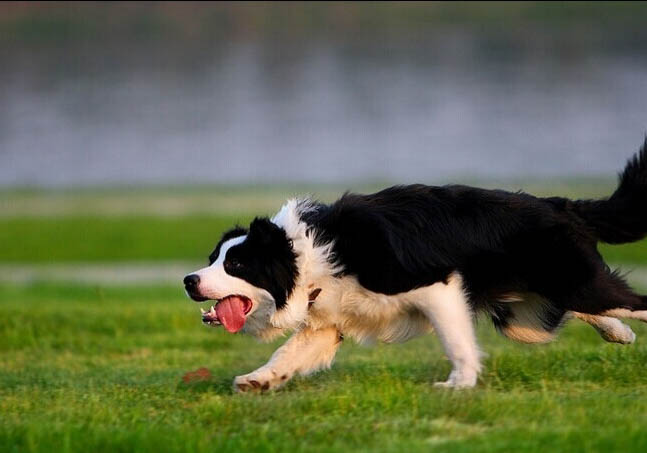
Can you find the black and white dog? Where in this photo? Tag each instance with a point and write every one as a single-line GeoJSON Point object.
{"type": "Point", "coordinates": [395, 264]}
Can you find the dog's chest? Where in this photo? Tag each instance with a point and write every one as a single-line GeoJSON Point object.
{"type": "Point", "coordinates": [366, 316]}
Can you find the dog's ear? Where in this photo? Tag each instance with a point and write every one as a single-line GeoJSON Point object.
{"type": "Point", "coordinates": [276, 258]}
{"type": "Point", "coordinates": [234, 233]}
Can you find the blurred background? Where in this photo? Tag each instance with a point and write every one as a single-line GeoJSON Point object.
{"type": "Point", "coordinates": [117, 113]}
{"type": "Point", "coordinates": [249, 93]}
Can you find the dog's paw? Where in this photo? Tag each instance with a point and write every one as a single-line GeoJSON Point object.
{"type": "Point", "coordinates": [459, 379]}
{"type": "Point", "coordinates": [259, 381]}
{"type": "Point", "coordinates": [620, 333]}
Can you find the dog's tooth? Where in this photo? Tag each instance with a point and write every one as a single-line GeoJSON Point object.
{"type": "Point", "coordinates": [202, 310]}
{"type": "Point", "coordinates": [212, 311]}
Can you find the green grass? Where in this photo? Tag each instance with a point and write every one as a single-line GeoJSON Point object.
{"type": "Point", "coordinates": [100, 369]}
{"type": "Point", "coordinates": [80, 238]}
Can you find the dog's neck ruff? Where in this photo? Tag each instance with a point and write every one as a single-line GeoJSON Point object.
{"type": "Point", "coordinates": [314, 262]}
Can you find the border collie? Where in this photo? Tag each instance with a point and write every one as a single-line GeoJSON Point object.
{"type": "Point", "coordinates": [398, 263]}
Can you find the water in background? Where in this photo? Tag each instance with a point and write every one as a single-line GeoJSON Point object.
{"type": "Point", "coordinates": [321, 112]}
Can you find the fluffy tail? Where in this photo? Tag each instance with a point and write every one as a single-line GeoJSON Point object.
{"type": "Point", "coordinates": [622, 217]}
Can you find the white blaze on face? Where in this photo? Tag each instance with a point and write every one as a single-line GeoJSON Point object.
{"type": "Point", "coordinates": [216, 283]}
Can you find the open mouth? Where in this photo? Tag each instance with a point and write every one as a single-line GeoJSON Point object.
{"type": "Point", "coordinates": [230, 312]}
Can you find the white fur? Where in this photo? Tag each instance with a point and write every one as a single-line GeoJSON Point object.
{"type": "Point", "coordinates": [611, 329]}
{"type": "Point", "coordinates": [305, 352]}
{"type": "Point", "coordinates": [346, 307]}
{"type": "Point", "coordinates": [312, 261]}
{"type": "Point", "coordinates": [446, 306]}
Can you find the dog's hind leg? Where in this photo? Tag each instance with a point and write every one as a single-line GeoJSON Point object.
{"type": "Point", "coordinates": [607, 294]}
{"type": "Point", "coordinates": [306, 351]}
{"type": "Point", "coordinates": [530, 318]}
{"type": "Point", "coordinates": [606, 297]}
{"type": "Point", "coordinates": [534, 319]}
{"type": "Point", "coordinates": [640, 315]}
{"type": "Point", "coordinates": [611, 329]}
{"type": "Point", "coordinates": [447, 308]}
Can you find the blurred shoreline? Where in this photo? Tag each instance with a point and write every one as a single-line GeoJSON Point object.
{"type": "Point", "coordinates": [305, 94]}
{"type": "Point", "coordinates": [53, 22]}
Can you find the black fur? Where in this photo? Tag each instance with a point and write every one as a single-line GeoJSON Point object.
{"type": "Point", "coordinates": [406, 237]}
{"type": "Point", "coordinates": [265, 259]}
{"type": "Point", "coordinates": [623, 217]}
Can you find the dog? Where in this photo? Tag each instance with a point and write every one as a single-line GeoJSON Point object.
{"type": "Point", "coordinates": [398, 263]}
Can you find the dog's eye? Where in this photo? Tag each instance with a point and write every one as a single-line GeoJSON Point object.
{"type": "Point", "coordinates": [233, 264]}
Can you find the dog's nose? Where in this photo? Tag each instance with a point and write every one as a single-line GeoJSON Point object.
{"type": "Point", "coordinates": [191, 281]}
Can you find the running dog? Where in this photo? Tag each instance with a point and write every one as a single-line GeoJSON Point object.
{"type": "Point", "coordinates": [400, 262]}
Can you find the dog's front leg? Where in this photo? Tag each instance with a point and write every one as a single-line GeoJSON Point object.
{"type": "Point", "coordinates": [446, 307]}
{"type": "Point", "coordinates": [305, 352]}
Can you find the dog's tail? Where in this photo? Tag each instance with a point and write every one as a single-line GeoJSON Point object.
{"type": "Point", "coordinates": [622, 217]}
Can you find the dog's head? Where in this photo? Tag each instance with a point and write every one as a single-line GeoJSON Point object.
{"type": "Point", "coordinates": [251, 274]}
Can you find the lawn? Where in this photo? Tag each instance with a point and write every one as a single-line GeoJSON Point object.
{"type": "Point", "coordinates": [100, 369]}
{"type": "Point", "coordinates": [99, 366]}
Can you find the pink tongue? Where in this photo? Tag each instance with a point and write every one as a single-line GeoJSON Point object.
{"type": "Point", "coordinates": [231, 313]}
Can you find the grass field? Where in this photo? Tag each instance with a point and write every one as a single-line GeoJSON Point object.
{"type": "Point", "coordinates": [98, 366]}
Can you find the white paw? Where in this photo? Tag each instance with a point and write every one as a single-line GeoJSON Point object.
{"type": "Point", "coordinates": [621, 333]}
{"type": "Point", "coordinates": [459, 379]}
{"type": "Point", "coordinates": [631, 337]}
{"type": "Point", "coordinates": [260, 380]}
